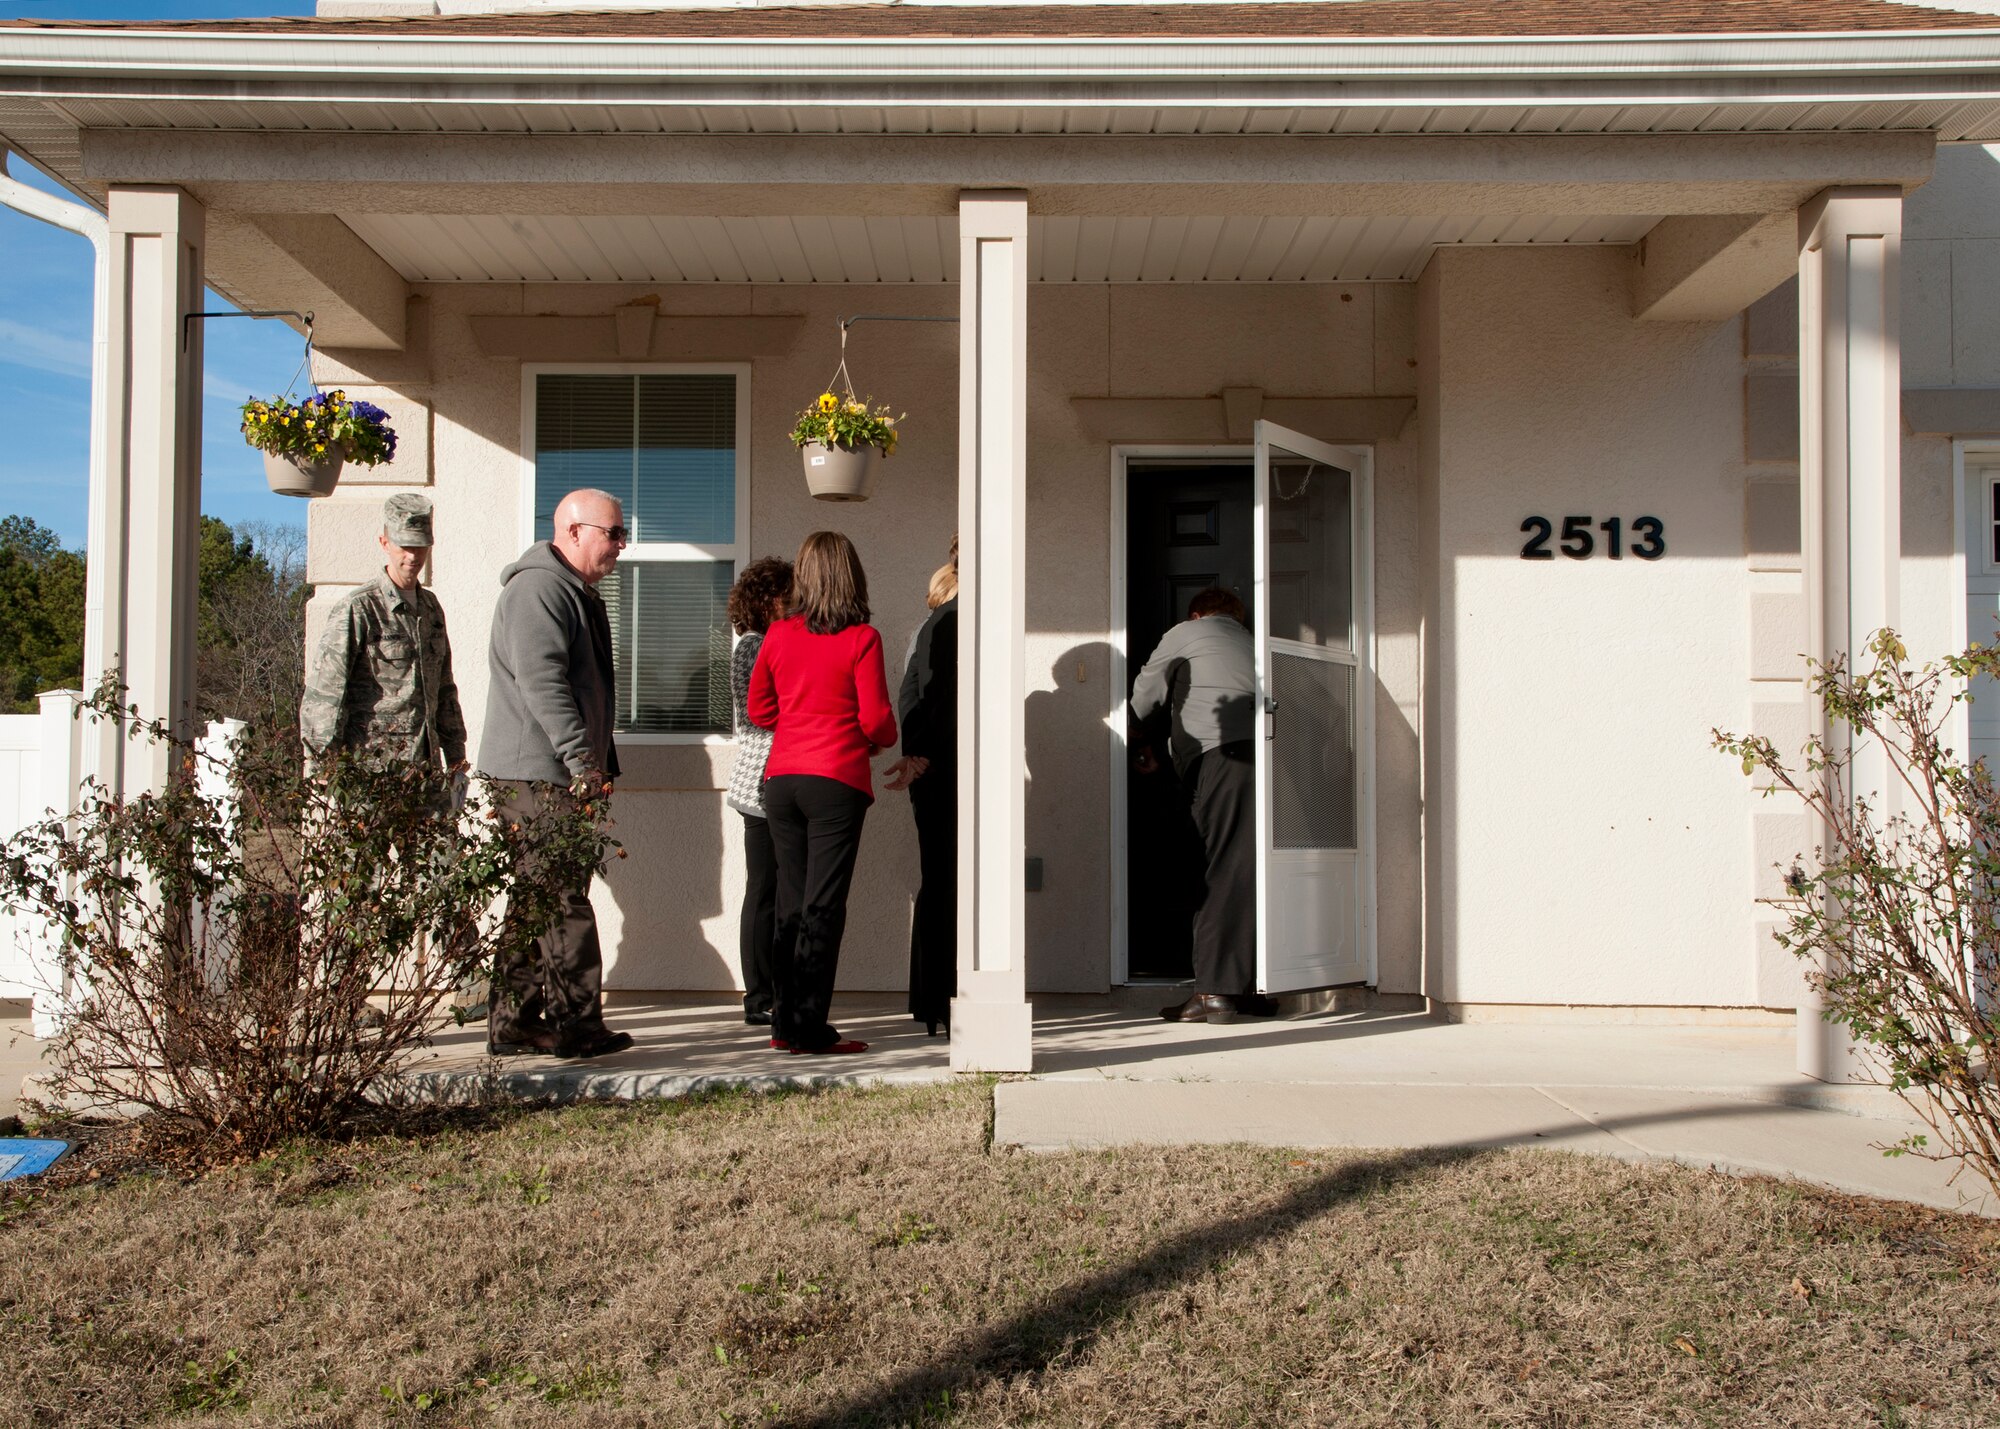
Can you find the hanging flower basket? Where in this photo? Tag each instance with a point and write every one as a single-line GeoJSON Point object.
{"type": "Point", "coordinates": [838, 436]}
{"type": "Point", "coordinates": [838, 472]}
{"type": "Point", "coordinates": [290, 474]}
{"type": "Point", "coordinates": [305, 444]}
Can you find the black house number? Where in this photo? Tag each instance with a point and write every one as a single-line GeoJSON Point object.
{"type": "Point", "coordinates": [1579, 538]}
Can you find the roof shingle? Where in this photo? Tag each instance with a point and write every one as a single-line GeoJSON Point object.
{"type": "Point", "coordinates": [1292, 19]}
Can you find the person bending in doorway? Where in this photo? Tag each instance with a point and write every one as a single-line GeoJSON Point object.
{"type": "Point", "coordinates": [1201, 682]}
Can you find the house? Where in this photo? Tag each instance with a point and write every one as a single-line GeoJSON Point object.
{"type": "Point", "coordinates": [1554, 377]}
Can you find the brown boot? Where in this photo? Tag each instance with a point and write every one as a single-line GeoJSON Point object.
{"type": "Point", "coordinates": [1202, 1007]}
{"type": "Point", "coordinates": [522, 1043]}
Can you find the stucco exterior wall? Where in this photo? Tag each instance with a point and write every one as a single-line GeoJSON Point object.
{"type": "Point", "coordinates": [670, 908]}
{"type": "Point", "coordinates": [1588, 846]}
{"type": "Point", "coordinates": [1951, 339]}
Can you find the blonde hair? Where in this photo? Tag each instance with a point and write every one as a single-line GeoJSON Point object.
{"type": "Point", "coordinates": [944, 580]}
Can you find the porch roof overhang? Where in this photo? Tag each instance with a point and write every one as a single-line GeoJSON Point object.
{"type": "Point", "coordinates": [1404, 67]}
{"type": "Point", "coordinates": [1274, 142]}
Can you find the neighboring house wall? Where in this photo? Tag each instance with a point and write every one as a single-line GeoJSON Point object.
{"type": "Point", "coordinates": [670, 908]}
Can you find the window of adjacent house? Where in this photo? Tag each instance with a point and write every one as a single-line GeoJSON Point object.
{"type": "Point", "coordinates": [668, 444]}
{"type": "Point", "coordinates": [1993, 523]}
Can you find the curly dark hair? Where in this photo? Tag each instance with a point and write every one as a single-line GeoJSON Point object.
{"type": "Point", "coordinates": [759, 595]}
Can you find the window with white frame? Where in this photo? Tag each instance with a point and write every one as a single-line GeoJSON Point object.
{"type": "Point", "coordinates": [670, 443]}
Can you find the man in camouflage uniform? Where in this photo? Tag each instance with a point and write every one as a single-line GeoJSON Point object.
{"type": "Point", "coordinates": [381, 680]}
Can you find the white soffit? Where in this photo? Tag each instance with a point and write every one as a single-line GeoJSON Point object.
{"type": "Point", "coordinates": [481, 248]}
{"type": "Point", "coordinates": [1951, 119]}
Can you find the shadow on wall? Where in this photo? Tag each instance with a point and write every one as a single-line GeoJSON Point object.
{"type": "Point", "coordinates": [1068, 799]}
{"type": "Point", "coordinates": [683, 867]}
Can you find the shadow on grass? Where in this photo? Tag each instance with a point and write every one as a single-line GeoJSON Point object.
{"type": "Point", "coordinates": [1066, 1323]}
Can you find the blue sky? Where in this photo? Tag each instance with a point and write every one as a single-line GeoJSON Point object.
{"type": "Point", "coordinates": [45, 278]}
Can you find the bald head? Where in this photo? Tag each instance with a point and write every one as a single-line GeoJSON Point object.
{"type": "Point", "coordinates": [590, 532]}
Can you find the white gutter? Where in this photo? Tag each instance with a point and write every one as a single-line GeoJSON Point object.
{"type": "Point", "coordinates": [77, 218]}
{"type": "Point", "coordinates": [365, 65]}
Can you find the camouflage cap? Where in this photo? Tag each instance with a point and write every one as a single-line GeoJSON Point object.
{"type": "Point", "coordinates": [406, 520]}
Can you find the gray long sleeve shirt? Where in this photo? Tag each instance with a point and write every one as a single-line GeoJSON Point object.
{"type": "Point", "coordinates": [1204, 675]}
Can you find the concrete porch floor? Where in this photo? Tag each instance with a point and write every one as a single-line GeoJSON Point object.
{"type": "Point", "coordinates": [1109, 1072]}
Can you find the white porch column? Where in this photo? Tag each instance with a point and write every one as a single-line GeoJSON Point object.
{"type": "Point", "coordinates": [145, 521]}
{"type": "Point", "coordinates": [1850, 477]}
{"type": "Point", "coordinates": [990, 1017]}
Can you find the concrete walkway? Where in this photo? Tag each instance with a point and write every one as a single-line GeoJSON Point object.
{"type": "Point", "coordinates": [1109, 1072]}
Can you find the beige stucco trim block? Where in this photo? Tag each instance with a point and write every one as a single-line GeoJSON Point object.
{"type": "Point", "coordinates": [1777, 635]}
{"type": "Point", "coordinates": [314, 263]}
{"type": "Point", "coordinates": [1710, 266]}
{"type": "Point", "coordinates": [1771, 524]}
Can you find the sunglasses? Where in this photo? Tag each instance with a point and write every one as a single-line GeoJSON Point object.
{"type": "Point", "coordinates": [618, 534]}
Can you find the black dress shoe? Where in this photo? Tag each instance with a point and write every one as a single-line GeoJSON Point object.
{"type": "Point", "coordinates": [601, 1043]}
{"type": "Point", "coordinates": [1202, 1007]}
{"type": "Point", "coordinates": [756, 1019]}
{"type": "Point", "coordinates": [1255, 1004]}
{"type": "Point", "coordinates": [521, 1044]}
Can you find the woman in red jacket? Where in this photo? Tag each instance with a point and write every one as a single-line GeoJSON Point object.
{"type": "Point", "coordinates": [819, 687]}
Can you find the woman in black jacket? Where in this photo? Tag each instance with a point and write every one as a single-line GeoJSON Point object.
{"type": "Point", "coordinates": [928, 710]}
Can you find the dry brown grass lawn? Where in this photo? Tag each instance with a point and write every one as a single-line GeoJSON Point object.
{"type": "Point", "coordinates": [850, 1259]}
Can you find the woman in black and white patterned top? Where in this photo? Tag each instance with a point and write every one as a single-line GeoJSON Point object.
{"type": "Point", "coordinates": [757, 598]}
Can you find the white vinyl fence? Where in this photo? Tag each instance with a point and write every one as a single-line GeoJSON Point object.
{"type": "Point", "coordinates": [40, 761]}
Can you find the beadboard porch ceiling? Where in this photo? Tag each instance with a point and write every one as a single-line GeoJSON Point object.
{"type": "Point", "coordinates": [483, 248]}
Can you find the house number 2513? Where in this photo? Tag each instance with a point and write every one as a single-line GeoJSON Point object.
{"type": "Point", "coordinates": [1579, 539]}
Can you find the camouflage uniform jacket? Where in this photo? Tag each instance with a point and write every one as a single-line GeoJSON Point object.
{"type": "Point", "coordinates": [382, 678]}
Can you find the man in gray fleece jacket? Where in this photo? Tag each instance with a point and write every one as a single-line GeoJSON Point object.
{"type": "Point", "coordinates": [548, 739]}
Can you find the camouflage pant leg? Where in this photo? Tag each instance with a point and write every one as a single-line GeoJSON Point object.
{"type": "Point", "coordinates": [555, 983]}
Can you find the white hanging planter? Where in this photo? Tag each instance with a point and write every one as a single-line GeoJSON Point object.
{"type": "Point", "coordinates": [292, 475]}
{"type": "Point", "coordinates": [838, 472]}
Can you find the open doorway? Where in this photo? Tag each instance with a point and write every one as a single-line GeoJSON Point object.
{"type": "Point", "coordinates": [1288, 527]}
{"type": "Point", "coordinates": [1187, 527]}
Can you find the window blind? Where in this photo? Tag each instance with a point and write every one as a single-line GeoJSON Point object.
{"type": "Point", "coordinates": [670, 637]}
{"type": "Point", "coordinates": [663, 443]}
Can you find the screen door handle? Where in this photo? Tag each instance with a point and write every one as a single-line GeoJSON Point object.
{"type": "Point", "coordinates": [1270, 719]}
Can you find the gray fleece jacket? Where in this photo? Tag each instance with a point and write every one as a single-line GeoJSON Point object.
{"type": "Point", "coordinates": [552, 693]}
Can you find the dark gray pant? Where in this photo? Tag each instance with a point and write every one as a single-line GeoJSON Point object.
{"type": "Point", "coordinates": [555, 983]}
{"type": "Point", "coordinates": [816, 829]}
{"type": "Point", "coordinates": [934, 927]}
{"type": "Point", "coordinates": [1223, 786]}
{"type": "Point", "coordinates": [760, 913]}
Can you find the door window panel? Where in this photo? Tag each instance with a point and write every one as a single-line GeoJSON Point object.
{"type": "Point", "coordinates": [1312, 760]}
{"type": "Point", "coordinates": [1312, 552]}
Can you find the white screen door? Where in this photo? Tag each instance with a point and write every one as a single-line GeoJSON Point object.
{"type": "Point", "coordinates": [1311, 621]}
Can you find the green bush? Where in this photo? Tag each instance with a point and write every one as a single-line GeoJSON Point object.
{"type": "Point", "coordinates": [1897, 913]}
{"type": "Point", "coordinates": [249, 952]}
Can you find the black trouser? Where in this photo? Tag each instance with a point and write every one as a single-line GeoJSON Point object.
{"type": "Point", "coordinates": [934, 929]}
{"type": "Point", "coordinates": [554, 984]}
{"type": "Point", "coordinates": [816, 830]}
{"type": "Point", "coordinates": [1223, 785]}
{"type": "Point", "coordinates": [760, 913]}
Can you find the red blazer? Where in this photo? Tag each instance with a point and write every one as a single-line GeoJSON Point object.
{"type": "Point", "coordinates": [826, 700]}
